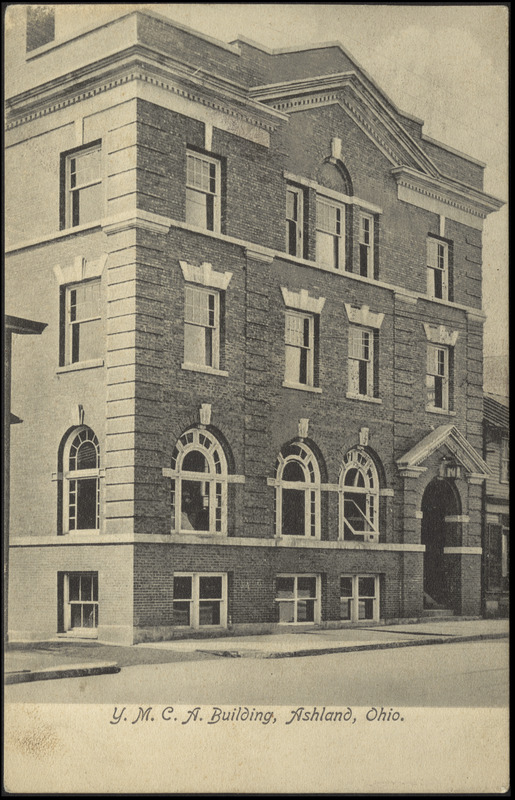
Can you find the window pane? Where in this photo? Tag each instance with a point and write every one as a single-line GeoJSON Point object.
{"type": "Point", "coordinates": [195, 344]}
{"type": "Point", "coordinates": [367, 587]}
{"type": "Point", "coordinates": [286, 612]}
{"type": "Point", "coordinates": [181, 613]}
{"type": "Point", "coordinates": [209, 613]}
{"type": "Point", "coordinates": [86, 587]}
{"type": "Point", "coordinates": [325, 250]}
{"type": "Point", "coordinates": [306, 611]}
{"type": "Point", "coordinates": [74, 587]}
{"type": "Point", "coordinates": [90, 340]}
{"type": "Point", "coordinates": [89, 204]}
{"type": "Point", "coordinates": [285, 587]}
{"type": "Point", "coordinates": [195, 506]}
{"type": "Point", "coordinates": [87, 504]}
{"type": "Point", "coordinates": [195, 461]}
{"type": "Point", "coordinates": [182, 587]}
{"type": "Point", "coordinates": [363, 260]}
{"type": "Point", "coordinates": [366, 609]}
{"type": "Point", "coordinates": [88, 615]}
{"type": "Point", "coordinates": [346, 587]}
{"type": "Point", "coordinates": [293, 472]}
{"type": "Point", "coordinates": [86, 456]}
{"type": "Point", "coordinates": [76, 615]}
{"type": "Point", "coordinates": [292, 364]}
{"type": "Point", "coordinates": [345, 612]}
{"type": "Point", "coordinates": [293, 522]}
{"type": "Point", "coordinates": [306, 587]}
{"type": "Point", "coordinates": [196, 208]}
{"type": "Point", "coordinates": [210, 587]}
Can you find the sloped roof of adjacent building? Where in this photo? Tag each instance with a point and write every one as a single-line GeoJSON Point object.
{"type": "Point", "coordinates": [496, 410]}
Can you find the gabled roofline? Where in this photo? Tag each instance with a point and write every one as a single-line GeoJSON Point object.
{"type": "Point", "coordinates": [450, 436]}
{"type": "Point", "coordinates": [320, 46]}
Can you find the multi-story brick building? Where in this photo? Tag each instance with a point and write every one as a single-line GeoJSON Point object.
{"type": "Point", "coordinates": [258, 400]}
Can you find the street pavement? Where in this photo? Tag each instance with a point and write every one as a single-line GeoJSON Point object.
{"type": "Point", "coordinates": [65, 658]}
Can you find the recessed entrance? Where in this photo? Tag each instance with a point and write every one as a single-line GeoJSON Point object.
{"type": "Point", "coordinates": [440, 500]}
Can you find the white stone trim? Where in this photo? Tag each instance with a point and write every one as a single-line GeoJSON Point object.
{"type": "Point", "coordinates": [259, 254]}
{"type": "Point", "coordinates": [419, 515]}
{"type": "Point", "coordinates": [386, 493]}
{"type": "Point", "coordinates": [205, 275]}
{"type": "Point", "coordinates": [205, 369]}
{"type": "Point", "coordinates": [439, 334]}
{"type": "Point", "coordinates": [463, 551]}
{"type": "Point", "coordinates": [302, 301]}
{"type": "Point", "coordinates": [336, 148]}
{"type": "Point", "coordinates": [208, 136]}
{"type": "Point", "coordinates": [302, 387]}
{"type": "Point", "coordinates": [411, 472]}
{"type": "Point", "coordinates": [136, 218]}
{"type": "Point", "coordinates": [342, 198]}
{"type": "Point", "coordinates": [364, 398]}
{"type": "Point", "coordinates": [80, 270]}
{"type": "Point", "coordinates": [363, 316]}
{"type": "Point", "coordinates": [457, 518]}
{"type": "Point", "coordinates": [78, 365]}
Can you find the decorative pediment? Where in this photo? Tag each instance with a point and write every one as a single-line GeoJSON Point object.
{"type": "Point", "coordinates": [439, 334]}
{"type": "Point", "coordinates": [205, 275]}
{"type": "Point", "coordinates": [302, 301]}
{"type": "Point", "coordinates": [450, 438]}
{"type": "Point", "coordinates": [80, 270]}
{"type": "Point", "coordinates": [362, 315]}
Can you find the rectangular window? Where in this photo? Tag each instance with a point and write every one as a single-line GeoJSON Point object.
{"type": "Point", "coordinates": [294, 221]}
{"type": "Point", "coordinates": [359, 597]}
{"type": "Point", "coordinates": [200, 600]}
{"type": "Point", "coordinates": [505, 460]}
{"type": "Point", "coordinates": [83, 200]}
{"type": "Point", "coordinates": [80, 603]}
{"type": "Point", "coordinates": [363, 358]}
{"type": "Point", "coordinates": [299, 348]}
{"type": "Point", "coordinates": [202, 327]}
{"type": "Point", "coordinates": [330, 241]}
{"type": "Point", "coordinates": [437, 378]}
{"type": "Point", "coordinates": [298, 598]}
{"type": "Point", "coordinates": [437, 269]}
{"type": "Point", "coordinates": [366, 245]}
{"type": "Point", "coordinates": [82, 338]}
{"type": "Point", "coordinates": [203, 191]}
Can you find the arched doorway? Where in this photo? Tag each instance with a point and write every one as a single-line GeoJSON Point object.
{"type": "Point", "coordinates": [440, 500]}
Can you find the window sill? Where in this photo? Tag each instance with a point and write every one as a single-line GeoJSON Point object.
{"type": "Point", "coordinates": [292, 537]}
{"type": "Point", "coordinates": [204, 369]}
{"type": "Point", "coordinates": [444, 411]}
{"type": "Point", "coordinates": [82, 532]}
{"type": "Point", "coordinates": [206, 534]}
{"type": "Point", "coordinates": [302, 387]}
{"type": "Point", "coordinates": [92, 364]}
{"type": "Point", "coordinates": [364, 398]}
{"type": "Point", "coordinates": [79, 634]}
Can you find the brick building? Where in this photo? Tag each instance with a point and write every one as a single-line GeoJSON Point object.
{"type": "Point", "coordinates": [258, 400]}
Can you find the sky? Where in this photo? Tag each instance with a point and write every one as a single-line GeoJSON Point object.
{"type": "Point", "coordinates": [447, 64]}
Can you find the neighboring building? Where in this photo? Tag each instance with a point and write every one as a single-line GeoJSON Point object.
{"type": "Point", "coordinates": [260, 398]}
{"type": "Point", "coordinates": [496, 453]}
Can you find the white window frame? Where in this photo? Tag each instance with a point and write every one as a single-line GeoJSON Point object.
{"type": "Point", "coordinates": [356, 597]}
{"type": "Point", "coordinates": [437, 371]}
{"type": "Point", "coordinates": [360, 460]}
{"type": "Point", "coordinates": [72, 476]}
{"type": "Point", "coordinates": [504, 470]}
{"type": "Point", "coordinates": [70, 190]}
{"type": "Point", "coordinates": [215, 481]}
{"type": "Point", "coordinates": [80, 632]}
{"type": "Point", "coordinates": [437, 264]}
{"type": "Point", "coordinates": [338, 233]}
{"type": "Point", "coordinates": [355, 359]}
{"type": "Point", "coordinates": [295, 598]}
{"type": "Point", "coordinates": [193, 186]}
{"type": "Point", "coordinates": [70, 326]}
{"type": "Point", "coordinates": [297, 224]}
{"type": "Point", "coordinates": [311, 487]}
{"type": "Point", "coordinates": [366, 240]}
{"type": "Point", "coordinates": [196, 600]}
{"type": "Point", "coordinates": [201, 291]}
{"type": "Point", "coordinates": [298, 316]}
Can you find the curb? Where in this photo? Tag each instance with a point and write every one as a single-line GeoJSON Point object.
{"type": "Point", "coordinates": [324, 651]}
{"type": "Point", "coordinates": [53, 673]}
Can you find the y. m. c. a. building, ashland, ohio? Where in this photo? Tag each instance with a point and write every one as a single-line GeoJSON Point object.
{"type": "Point", "coordinates": [257, 401]}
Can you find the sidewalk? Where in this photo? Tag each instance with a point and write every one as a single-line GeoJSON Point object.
{"type": "Point", "coordinates": [65, 658]}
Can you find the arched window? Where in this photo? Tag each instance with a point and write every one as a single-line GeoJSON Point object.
{"type": "Point", "coordinates": [81, 489]}
{"type": "Point", "coordinates": [199, 484]}
{"type": "Point", "coordinates": [359, 497]}
{"type": "Point", "coordinates": [297, 494]}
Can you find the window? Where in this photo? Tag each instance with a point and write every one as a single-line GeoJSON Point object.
{"type": "Point", "coordinates": [330, 241]}
{"type": "Point", "coordinates": [81, 482]}
{"type": "Point", "coordinates": [366, 245]}
{"type": "Point", "coordinates": [299, 348]}
{"type": "Point", "coordinates": [437, 378]}
{"type": "Point", "coordinates": [505, 460]}
{"type": "Point", "coordinates": [202, 327]}
{"type": "Point", "coordinates": [437, 269]}
{"type": "Point", "coordinates": [298, 598]}
{"type": "Point", "coordinates": [359, 497]}
{"type": "Point", "coordinates": [294, 221]}
{"type": "Point", "coordinates": [359, 597]}
{"type": "Point", "coordinates": [82, 338]}
{"type": "Point", "coordinates": [297, 478]}
{"type": "Point", "coordinates": [200, 600]}
{"type": "Point", "coordinates": [199, 484]}
{"type": "Point", "coordinates": [79, 592]}
{"type": "Point", "coordinates": [363, 362]}
{"type": "Point", "coordinates": [203, 191]}
{"type": "Point", "coordinates": [83, 201]}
